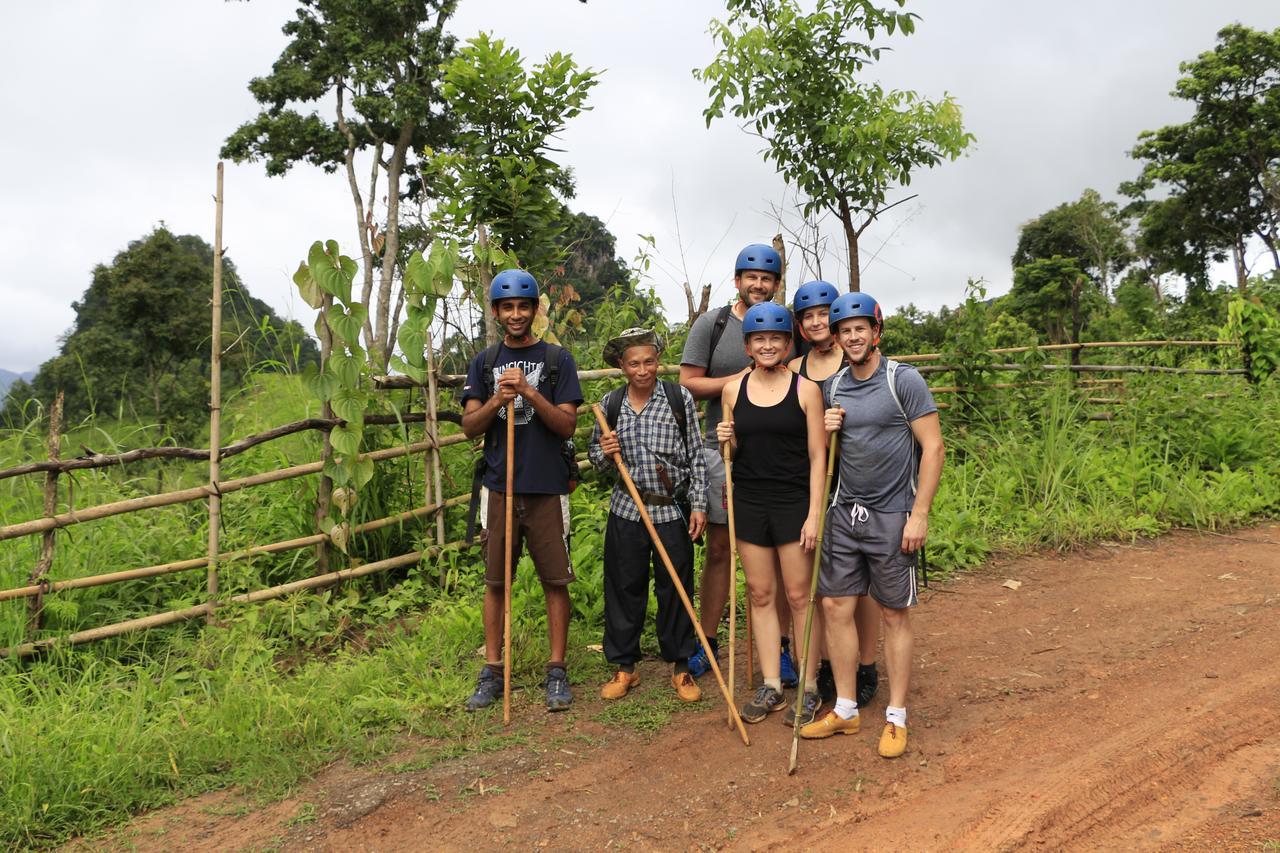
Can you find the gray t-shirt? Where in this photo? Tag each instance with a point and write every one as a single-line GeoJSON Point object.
{"type": "Point", "coordinates": [877, 451]}
{"type": "Point", "coordinates": [729, 358]}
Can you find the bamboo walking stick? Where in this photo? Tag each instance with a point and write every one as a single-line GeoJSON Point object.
{"type": "Point", "coordinates": [751, 663]}
{"type": "Point", "coordinates": [733, 558]}
{"type": "Point", "coordinates": [813, 594]}
{"type": "Point", "coordinates": [506, 570]}
{"type": "Point", "coordinates": [675, 578]}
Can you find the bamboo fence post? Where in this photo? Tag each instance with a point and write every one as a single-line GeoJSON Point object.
{"type": "Point", "coordinates": [215, 408]}
{"type": "Point", "coordinates": [433, 434]}
{"type": "Point", "coordinates": [35, 607]}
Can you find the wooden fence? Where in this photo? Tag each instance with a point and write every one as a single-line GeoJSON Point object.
{"type": "Point", "coordinates": [433, 508]}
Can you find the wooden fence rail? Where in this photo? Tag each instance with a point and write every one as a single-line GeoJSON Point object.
{"type": "Point", "coordinates": [432, 508]}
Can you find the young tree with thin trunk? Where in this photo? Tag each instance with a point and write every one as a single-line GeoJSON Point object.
{"type": "Point", "coordinates": [796, 78]}
{"type": "Point", "coordinates": [378, 62]}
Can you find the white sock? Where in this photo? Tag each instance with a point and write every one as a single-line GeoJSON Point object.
{"type": "Point", "coordinates": [775, 683]}
{"type": "Point", "coordinates": [846, 709]}
{"type": "Point", "coordinates": [897, 716]}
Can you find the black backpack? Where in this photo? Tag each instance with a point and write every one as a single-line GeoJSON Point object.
{"type": "Point", "coordinates": [568, 452]}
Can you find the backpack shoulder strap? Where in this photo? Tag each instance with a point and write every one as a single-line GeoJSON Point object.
{"type": "Point", "coordinates": [552, 361]}
{"type": "Point", "coordinates": [833, 384]}
{"type": "Point", "coordinates": [676, 401]}
{"type": "Point", "coordinates": [890, 372]}
{"type": "Point", "coordinates": [488, 359]}
{"type": "Point", "coordinates": [613, 407]}
{"type": "Point", "coordinates": [717, 330]}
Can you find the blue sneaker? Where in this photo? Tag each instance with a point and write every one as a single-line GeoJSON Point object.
{"type": "Point", "coordinates": [558, 696]}
{"type": "Point", "coordinates": [789, 677]}
{"type": "Point", "coordinates": [700, 664]}
{"type": "Point", "coordinates": [488, 689]}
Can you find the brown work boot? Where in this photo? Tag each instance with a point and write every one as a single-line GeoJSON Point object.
{"type": "Point", "coordinates": [618, 686]}
{"type": "Point", "coordinates": [831, 724]}
{"type": "Point", "coordinates": [686, 688]}
{"type": "Point", "coordinates": [893, 740]}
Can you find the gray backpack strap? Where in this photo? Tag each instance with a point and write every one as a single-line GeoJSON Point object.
{"type": "Point", "coordinates": [890, 372]}
{"type": "Point", "coordinates": [835, 381]}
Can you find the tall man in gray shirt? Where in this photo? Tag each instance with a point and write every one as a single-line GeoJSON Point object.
{"type": "Point", "coordinates": [705, 368]}
{"type": "Point", "coordinates": [879, 516]}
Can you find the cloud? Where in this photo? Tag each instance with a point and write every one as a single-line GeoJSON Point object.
{"type": "Point", "coordinates": [119, 118]}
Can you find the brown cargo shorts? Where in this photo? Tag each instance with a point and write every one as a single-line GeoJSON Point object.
{"type": "Point", "coordinates": [539, 521]}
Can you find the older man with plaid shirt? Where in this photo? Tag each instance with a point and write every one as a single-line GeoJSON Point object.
{"type": "Point", "coordinates": [656, 431]}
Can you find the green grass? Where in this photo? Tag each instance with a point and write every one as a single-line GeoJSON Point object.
{"type": "Point", "coordinates": [92, 735]}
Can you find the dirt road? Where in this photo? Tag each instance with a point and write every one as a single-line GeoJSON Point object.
{"type": "Point", "coordinates": [1120, 697]}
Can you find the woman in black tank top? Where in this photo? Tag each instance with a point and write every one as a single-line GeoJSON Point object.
{"type": "Point", "coordinates": [773, 421]}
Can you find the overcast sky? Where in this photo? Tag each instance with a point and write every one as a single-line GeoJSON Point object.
{"type": "Point", "coordinates": [114, 114]}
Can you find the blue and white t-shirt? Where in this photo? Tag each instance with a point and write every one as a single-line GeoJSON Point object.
{"type": "Point", "coordinates": [540, 469]}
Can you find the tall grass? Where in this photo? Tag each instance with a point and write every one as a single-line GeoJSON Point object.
{"type": "Point", "coordinates": [89, 736]}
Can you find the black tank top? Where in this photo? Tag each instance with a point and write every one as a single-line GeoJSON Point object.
{"type": "Point", "coordinates": [773, 444]}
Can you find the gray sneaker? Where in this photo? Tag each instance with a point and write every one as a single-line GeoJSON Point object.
{"type": "Point", "coordinates": [766, 701]}
{"type": "Point", "coordinates": [558, 696]}
{"type": "Point", "coordinates": [488, 690]}
{"type": "Point", "coordinates": [807, 713]}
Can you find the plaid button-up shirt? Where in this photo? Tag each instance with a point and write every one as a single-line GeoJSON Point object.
{"type": "Point", "coordinates": [649, 437]}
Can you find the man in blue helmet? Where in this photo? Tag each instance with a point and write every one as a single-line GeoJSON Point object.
{"type": "Point", "coordinates": [713, 355]}
{"type": "Point", "coordinates": [891, 456]}
{"type": "Point", "coordinates": [542, 380]}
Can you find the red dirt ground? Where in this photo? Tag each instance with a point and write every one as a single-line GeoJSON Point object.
{"type": "Point", "coordinates": [1121, 697]}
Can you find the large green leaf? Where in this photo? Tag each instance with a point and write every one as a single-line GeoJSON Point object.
{"type": "Point", "coordinates": [344, 368]}
{"type": "Point", "coordinates": [349, 404]}
{"type": "Point", "coordinates": [345, 440]}
{"type": "Point", "coordinates": [307, 287]}
{"type": "Point", "coordinates": [362, 471]}
{"type": "Point", "coordinates": [346, 324]}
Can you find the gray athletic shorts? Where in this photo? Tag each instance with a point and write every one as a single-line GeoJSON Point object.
{"type": "Point", "coordinates": [862, 553]}
{"type": "Point", "coordinates": [717, 495]}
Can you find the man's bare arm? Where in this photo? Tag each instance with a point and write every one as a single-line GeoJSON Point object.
{"type": "Point", "coordinates": [700, 385]}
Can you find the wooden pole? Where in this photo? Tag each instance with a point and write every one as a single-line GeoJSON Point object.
{"type": "Point", "coordinates": [509, 502]}
{"type": "Point", "coordinates": [199, 493]}
{"type": "Point", "coordinates": [433, 433]}
{"type": "Point", "coordinates": [813, 595]}
{"type": "Point", "coordinates": [675, 578]}
{"type": "Point", "coordinates": [35, 607]}
{"type": "Point", "coordinates": [223, 558]}
{"type": "Point", "coordinates": [215, 409]}
{"type": "Point", "coordinates": [733, 560]}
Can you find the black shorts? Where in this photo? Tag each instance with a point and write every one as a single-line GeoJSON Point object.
{"type": "Point", "coordinates": [768, 518]}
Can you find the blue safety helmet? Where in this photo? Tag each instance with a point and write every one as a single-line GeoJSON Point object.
{"type": "Point", "coordinates": [513, 284]}
{"type": "Point", "coordinates": [758, 256]}
{"type": "Point", "coordinates": [813, 294]}
{"type": "Point", "coordinates": [851, 305]}
{"type": "Point", "coordinates": [766, 317]}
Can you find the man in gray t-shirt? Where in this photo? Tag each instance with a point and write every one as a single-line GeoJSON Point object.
{"type": "Point", "coordinates": [757, 274]}
{"type": "Point", "coordinates": [890, 463]}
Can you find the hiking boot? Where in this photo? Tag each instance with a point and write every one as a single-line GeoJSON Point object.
{"type": "Point", "coordinates": [826, 683]}
{"type": "Point", "coordinates": [700, 663]}
{"type": "Point", "coordinates": [686, 688]}
{"type": "Point", "coordinates": [788, 670]}
{"type": "Point", "coordinates": [868, 681]}
{"type": "Point", "coordinates": [893, 740]}
{"type": "Point", "coordinates": [831, 724]}
{"type": "Point", "coordinates": [807, 713]}
{"type": "Point", "coordinates": [488, 689]}
{"type": "Point", "coordinates": [557, 683]}
{"type": "Point", "coordinates": [617, 686]}
{"type": "Point", "coordinates": [765, 702]}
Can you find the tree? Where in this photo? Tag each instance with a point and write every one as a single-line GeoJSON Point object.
{"type": "Point", "coordinates": [140, 343]}
{"type": "Point", "coordinates": [1090, 231]}
{"type": "Point", "coordinates": [1055, 296]}
{"type": "Point", "coordinates": [378, 62]}
{"type": "Point", "coordinates": [496, 182]}
{"type": "Point", "coordinates": [795, 79]}
{"type": "Point", "coordinates": [1218, 163]}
